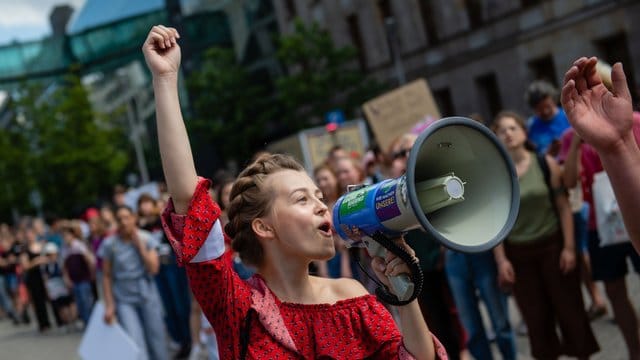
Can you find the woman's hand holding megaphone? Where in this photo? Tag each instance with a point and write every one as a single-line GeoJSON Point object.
{"type": "Point", "coordinates": [391, 265]}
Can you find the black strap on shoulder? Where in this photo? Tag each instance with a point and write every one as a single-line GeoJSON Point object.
{"type": "Point", "coordinates": [546, 172]}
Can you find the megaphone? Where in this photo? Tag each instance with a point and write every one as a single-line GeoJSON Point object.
{"type": "Point", "coordinates": [460, 186]}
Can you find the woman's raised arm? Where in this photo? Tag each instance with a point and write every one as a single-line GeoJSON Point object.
{"type": "Point", "coordinates": [162, 54]}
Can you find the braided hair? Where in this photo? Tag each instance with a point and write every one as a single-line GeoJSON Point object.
{"type": "Point", "coordinates": [250, 199]}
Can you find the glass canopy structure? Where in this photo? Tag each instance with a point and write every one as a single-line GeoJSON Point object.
{"type": "Point", "coordinates": [106, 35]}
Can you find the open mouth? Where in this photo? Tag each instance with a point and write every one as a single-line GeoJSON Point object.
{"type": "Point", "coordinates": [326, 228]}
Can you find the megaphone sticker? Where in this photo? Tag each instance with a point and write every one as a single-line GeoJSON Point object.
{"type": "Point", "coordinates": [386, 206]}
{"type": "Point", "coordinates": [353, 202]}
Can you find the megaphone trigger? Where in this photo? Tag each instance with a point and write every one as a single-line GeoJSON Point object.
{"type": "Point", "coordinates": [401, 285]}
{"type": "Point", "coordinates": [406, 288]}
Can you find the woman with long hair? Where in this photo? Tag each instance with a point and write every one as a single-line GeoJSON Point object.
{"type": "Point", "coordinates": [538, 258]}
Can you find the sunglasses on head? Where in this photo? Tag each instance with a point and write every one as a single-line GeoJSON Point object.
{"type": "Point", "coordinates": [401, 154]}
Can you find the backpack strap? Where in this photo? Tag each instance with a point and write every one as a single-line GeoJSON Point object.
{"type": "Point", "coordinates": [546, 172]}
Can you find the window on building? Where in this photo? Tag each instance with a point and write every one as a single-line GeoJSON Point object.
{"type": "Point", "coordinates": [614, 49]}
{"type": "Point", "coordinates": [543, 69]}
{"type": "Point", "coordinates": [489, 95]}
{"type": "Point", "coordinates": [356, 38]}
{"type": "Point", "coordinates": [429, 20]}
{"type": "Point", "coordinates": [474, 12]}
{"type": "Point", "coordinates": [444, 101]}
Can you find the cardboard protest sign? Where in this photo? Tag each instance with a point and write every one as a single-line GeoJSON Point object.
{"type": "Point", "coordinates": [396, 112]}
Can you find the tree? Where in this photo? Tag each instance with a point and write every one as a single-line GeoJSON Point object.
{"type": "Point", "coordinates": [72, 155]}
{"type": "Point", "coordinates": [321, 78]}
{"type": "Point", "coordinates": [230, 109]}
{"type": "Point", "coordinates": [14, 180]}
{"type": "Point", "coordinates": [238, 112]}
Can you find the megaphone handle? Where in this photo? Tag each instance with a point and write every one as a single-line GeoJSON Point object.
{"type": "Point", "coordinates": [401, 285]}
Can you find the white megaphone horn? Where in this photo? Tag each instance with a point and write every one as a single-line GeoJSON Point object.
{"type": "Point", "coordinates": [460, 186]}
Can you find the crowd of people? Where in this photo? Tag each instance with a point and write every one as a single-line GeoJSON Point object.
{"type": "Point", "coordinates": [246, 265]}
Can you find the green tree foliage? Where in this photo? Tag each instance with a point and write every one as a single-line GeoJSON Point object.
{"type": "Point", "coordinates": [230, 109]}
{"type": "Point", "coordinates": [70, 154]}
{"type": "Point", "coordinates": [238, 113]}
{"type": "Point", "coordinates": [14, 161]}
{"type": "Point", "coordinates": [321, 77]}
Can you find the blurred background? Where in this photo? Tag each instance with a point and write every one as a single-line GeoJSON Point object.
{"type": "Point", "coordinates": [75, 100]}
{"type": "Point", "coordinates": [338, 84]}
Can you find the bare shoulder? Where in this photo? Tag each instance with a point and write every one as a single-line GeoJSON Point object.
{"type": "Point", "coordinates": [344, 288]}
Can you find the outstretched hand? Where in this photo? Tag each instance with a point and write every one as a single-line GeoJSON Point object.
{"type": "Point", "coordinates": [161, 51]}
{"type": "Point", "coordinates": [601, 117]}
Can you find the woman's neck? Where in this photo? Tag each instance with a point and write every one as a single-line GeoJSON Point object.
{"type": "Point", "coordinates": [519, 155]}
{"type": "Point", "coordinates": [289, 281]}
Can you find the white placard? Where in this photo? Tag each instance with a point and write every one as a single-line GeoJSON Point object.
{"type": "Point", "coordinates": [106, 342]}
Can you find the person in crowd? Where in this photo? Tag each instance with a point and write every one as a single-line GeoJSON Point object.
{"type": "Point", "coordinates": [31, 260]}
{"type": "Point", "coordinates": [109, 219]}
{"type": "Point", "coordinates": [119, 194]}
{"type": "Point", "coordinates": [97, 234]}
{"type": "Point", "coordinates": [12, 258]}
{"type": "Point", "coordinates": [148, 214]}
{"type": "Point", "coordinates": [6, 303]}
{"type": "Point", "coordinates": [53, 234]}
{"type": "Point", "coordinates": [40, 229]}
{"type": "Point", "coordinates": [78, 268]}
{"type": "Point", "coordinates": [223, 196]}
{"type": "Point", "coordinates": [604, 119]}
{"type": "Point", "coordinates": [171, 280]}
{"type": "Point", "coordinates": [549, 120]}
{"type": "Point", "coordinates": [581, 211]}
{"type": "Point", "coordinates": [129, 263]}
{"type": "Point", "coordinates": [279, 223]}
{"type": "Point", "coordinates": [375, 164]}
{"type": "Point", "coordinates": [538, 258]}
{"type": "Point", "coordinates": [336, 152]}
{"type": "Point", "coordinates": [348, 172]}
{"type": "Point", "coordinates": [608, 263]}
{"type": "Point", "coordinates": [473, 277]}
{"type": "Point", "coordinates": [339, 265]}
{"type": "Point", "coordinates": [435, 299]}
{"type": "Point", "coordinates": [58, 287]}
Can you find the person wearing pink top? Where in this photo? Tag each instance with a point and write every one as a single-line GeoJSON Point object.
{"type": "Point", "coordinates": [605, 138]}
{"type": "Point", "coordinates": [604, 120]}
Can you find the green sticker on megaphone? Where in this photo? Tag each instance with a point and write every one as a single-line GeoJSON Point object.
{"type": "Point", "coordinates": [353, 202]}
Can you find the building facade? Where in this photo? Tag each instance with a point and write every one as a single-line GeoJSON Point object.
{"type": "Point", "coordinates": [478, 55]}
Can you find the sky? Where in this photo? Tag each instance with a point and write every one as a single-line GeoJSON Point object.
{"type": "Point", "coordinates": [25, 20]}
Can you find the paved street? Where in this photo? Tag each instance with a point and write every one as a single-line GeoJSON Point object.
{"type": "Point", "coordinates": [24, 343]}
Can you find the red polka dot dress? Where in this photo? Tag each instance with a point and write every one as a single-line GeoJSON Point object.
{"type": "Point", "coordinates": [251, 322]}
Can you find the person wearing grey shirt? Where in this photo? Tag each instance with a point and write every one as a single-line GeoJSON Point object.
{"type": "Point", "coordinates": [130, 294]}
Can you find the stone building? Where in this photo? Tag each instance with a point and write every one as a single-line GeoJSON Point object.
{"type": "Point", "coordinates": [478, 55]}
